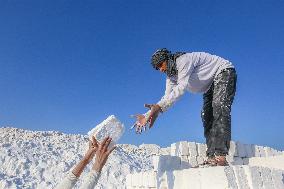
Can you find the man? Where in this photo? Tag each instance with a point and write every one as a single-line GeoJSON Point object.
{"type": "Point", "coordinates": [197, 72]}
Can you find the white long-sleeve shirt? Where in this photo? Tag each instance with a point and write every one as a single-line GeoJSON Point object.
{"type": "Point", "coordinates": [196, 72]}
{"type": "Point", "coordinates": [70, 180]}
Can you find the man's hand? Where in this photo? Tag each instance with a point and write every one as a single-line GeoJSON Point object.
{"type": "Point", "coordinates": [142, 122]}
{"type": "Point", "coordinates": [93, 146]}
{"type": "Point", "coordinates": [102, 154]}
{"type": "Point", "coordinates": [154, 113]}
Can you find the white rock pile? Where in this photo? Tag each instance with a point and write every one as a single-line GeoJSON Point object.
{"type": "Point", "coordinates": [251, 167]}
{"type": "Point", "coordinates": [35, 159]}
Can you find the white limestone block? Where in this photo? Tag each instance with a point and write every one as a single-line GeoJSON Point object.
{"type": "Point", "coordinates": [152, 179]}
{"type": "Point", "coordinates": [266, 176]}
{"type": "Point", "coordinates": [276, 162]}
{"type": "Point", "coordinates": [192, 161]}
{"type": "Point", "coordinates": [234, 160]}
{"type": "Point", "coordinates": [241, 177]}
{"type": "Point", "coordinates": [277, 177]}
{"type": "Point", "coordinates": [162, 181]}
{"type": "Point", "coordinates": [164, 163]}
{"type": "Point", "coordinates": [111, 127]}
{"type": "Point", "coordinates": [262, 151]}
{"type": "Point", "coordinates": [233, 149]}
{"type": "Point", "coordinates": [256, 151]}
{"type": "Point", "coordinates": [241, 150]}
{"type": "Point", "coordinates": [192, 148]}
{"type": "Point", "coordinates": [178, 180]}
{"type": "Point", "coordinates": [268, 151]}
{"type": "Point", "coordinates": [174, 149]}
{"type": "Point", "coordinates": [201, 149]}
{"type": "Point", "coordinates": [217, 177]}
{"type": "Point", "coordinates": [144, 179]}
{"type": "Point", "coordinates": [190, 179]}
{"type": "Point", "coordinates": [245, 161]}
{"type": "Point", "coordinates": [135, 180]}
{"type": "Point", "coordinates": [165, 151]}
{"type": "Point", "coordinates": [183, 148]}
{"type": "Point", "coordinates": [200, 159]}
{"type": "Point", "coordinates": [253, 176]}
{"type": "Point", "coordinates": [184, 162]}
{"type": "Point", "coordinates": [231, 177]}
{"type": "Point", "coordinates": [140, 179]}
{"type": "Point", "coordinates": [248, 150]}
{"type": "Point", "coordinates": [129, 180]}
{"type": "Point", "coordinates": [274, 152]}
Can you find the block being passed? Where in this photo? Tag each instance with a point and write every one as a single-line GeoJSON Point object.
{"type": "Point", "coordinates": [111, 127]}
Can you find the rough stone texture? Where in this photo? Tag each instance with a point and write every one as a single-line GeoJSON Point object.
{"type": "Point", "coordinates": [192, 148]}
{"type": "Point", "coordinates": [241, 177]}
{"type": "Point", "coordinates": [183, 148]}
{"type": "Point", "coordinates": [266, 178]}
{"type": "Point", "coordinates": [276, 162]}
{"type": "Point", "coordinates": [241, 150]}
{"type": "Point", "coordinates": [201, 149]}
{"type": "Point", "coordinates": [248, 150]}
{"type": "Point", "coordinates": [165, 163]}
{"type": "Point", "coordinates": [278, 178]}
{"type": "Point", "coordinates": [233, 151]}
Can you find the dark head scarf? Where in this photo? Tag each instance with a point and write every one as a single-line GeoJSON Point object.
{"type": "Point", "coordinates": [162, 55]}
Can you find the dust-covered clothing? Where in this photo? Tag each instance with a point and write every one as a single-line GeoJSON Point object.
{"type": "Point", "coordinates": [216, 113]}
{"type": "Point", "coordinates": [70, 180]}
{"type": "Point", "coordinates": [196, 72]}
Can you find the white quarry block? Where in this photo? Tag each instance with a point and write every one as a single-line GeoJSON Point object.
{"type": "Point", "coordinates": [201, 149]}
{"type": "Point", "coordinates": [192, 148]}
{"type": "Point", "coordinates": [183, 148]}
{"type": "Point", "coordinates": [192, 161]}
{"type": "Point", "coordinates": [274, 152]}
{"type": "Point", "coordinates": [268, 151]}
{"type": "Point", "coordinates": [164, 163]}
{"type": "Point", "coordinates": [174, 149]}
{"type": "Point", "coordinates": [233, 149]}
{"type": "Point", "coordinates": [178, 180]}
{"type": "Point", "coordinates": [217, 177]}
{"type": "Point", "coordinates": [276, 162]}
{"type": "Point", "coordinates": [200, 159]}
{"type": "Point", "coordinates": [248, 150]}
{"type": "Point", "coordinates": [256, 151]}
{"type": "Point", "coordinates": [185, 162]}
{"type": "Point", "coordinates": [144, 179]}
{"type": "Point", "coordinates": [241, 177]}
{"type": "Point", "coordinates": [262, 151]}
{"type": "Point", "coordinates": [246, 161]}
{"type": "Point", "coordinates": [163, 181]}
{"type": "Point", "coordinates": [253, 176]}
{"type": "Point", "coordinates": [234, 160]}
{"type": "Point", "coordinates": [111, 127]}
{"type": "Point", "coordinates": [241, 150]}
{"type": "Point", "coordinates": [266, 176]}
{"type": "Point", "coordinates": [152, 179]}
{"type": "Point", "coordinates": [140, 179]}
{"type": "Point", "coordinates": [128, 180]}
{"type": "Point", "coordinates": [190, 179]}
{"type": "Point", "coordinates": [278, 178]}
{"type": "Point", "coordinates": [259, 151]}
{"type": "Point", "coordinates": [165, 151]}
{"type": "Point", "coordinates": [135, 180]}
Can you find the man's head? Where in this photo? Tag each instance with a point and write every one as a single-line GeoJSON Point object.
{"type": "Point", "coordinates": [160, 58]}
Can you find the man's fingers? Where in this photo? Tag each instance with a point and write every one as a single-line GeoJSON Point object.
{"type": "Point", "coordinates": [104, 141]}
{"type": "Point", "coordinates": [95, 142]}
{"type": "Point", "coordinates": [107, 143]}
{"type": "Point", "coordinates": [134, 125]}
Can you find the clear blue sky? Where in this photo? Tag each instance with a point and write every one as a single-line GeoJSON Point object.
{"type": "Point", "coordinates": [67, 65]}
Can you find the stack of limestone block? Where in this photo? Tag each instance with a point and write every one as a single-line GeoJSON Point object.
{"type": "Point", "coordinates": [251, 166]}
